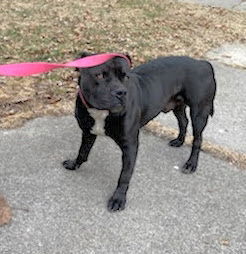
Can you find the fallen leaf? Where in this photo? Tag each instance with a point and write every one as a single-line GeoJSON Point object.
{"type": "Point", "coordinates": [5, 211]}
{"type": "Point", "coordinates": [225, 242]}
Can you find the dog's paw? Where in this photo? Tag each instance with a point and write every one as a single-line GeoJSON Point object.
{"type": "Point", "coordinates": [176, 142]}
{"type": "Point", "coordinates": [117, 202]}
{"type": "Point", "coordinates": [189, 167]}
{"type": "Point", "coordinates": [70, 164]}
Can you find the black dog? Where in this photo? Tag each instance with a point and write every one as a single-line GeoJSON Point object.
{"type": "Point", "coordinates": [117, 101]}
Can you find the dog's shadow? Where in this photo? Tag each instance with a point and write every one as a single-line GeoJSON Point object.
{"type": "Point", "coordinates": [104, 163]}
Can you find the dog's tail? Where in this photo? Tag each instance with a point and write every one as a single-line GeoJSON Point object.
{"type": "Point", "coordinates": [214, 85]}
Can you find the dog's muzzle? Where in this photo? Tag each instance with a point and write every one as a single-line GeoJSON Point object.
{"type": "Point", "coordinates": [120, 94]}
{"type": "Point", "coordinates": [119, 100]}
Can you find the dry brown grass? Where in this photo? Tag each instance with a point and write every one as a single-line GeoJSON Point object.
{"type": "Point", "coordinates": [56, 30]}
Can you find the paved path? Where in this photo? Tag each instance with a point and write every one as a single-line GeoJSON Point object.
{"type": "Point", "coordinates": [59, 211]}
{"type": "Point", "coordinates": [229, 4]}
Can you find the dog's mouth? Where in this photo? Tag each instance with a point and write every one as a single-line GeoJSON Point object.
{"type": "Point", "coordinates": [113, 108]}
{"type": "Point", "coordinates": [114, 104]}
{"type": "Point", "coordinates": [116, 109]}
{"type": "Point", "coordinates": [117, 105]}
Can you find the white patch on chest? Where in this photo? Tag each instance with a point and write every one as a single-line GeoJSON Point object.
{"type": "Point", "coordinates": [99, 116]}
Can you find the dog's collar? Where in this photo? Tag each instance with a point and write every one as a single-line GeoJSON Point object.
{"type": "Point", "coordinates": [83, 98]}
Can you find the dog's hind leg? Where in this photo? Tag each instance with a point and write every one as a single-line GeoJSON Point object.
{"type": "Point", "coordinates": [87, 142]}
{"type": "Point", "coordinates": [180, 114]}
{"type": "Point", "coordinates": [199, 117]}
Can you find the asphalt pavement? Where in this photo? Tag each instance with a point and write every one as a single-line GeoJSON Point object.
{"type": "Point", "coordinates": [239, 5]}
{"type": "Point", "coordinates": [56, 211]}
{"type": "Point", "coordinates": [60, 211]}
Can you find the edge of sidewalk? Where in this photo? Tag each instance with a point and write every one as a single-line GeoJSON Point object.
{"type": "Point", "coordinates": [221, 152]}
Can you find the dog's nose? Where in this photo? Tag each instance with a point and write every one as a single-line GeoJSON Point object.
{"type": "Point", "coordinates": [119, 93]}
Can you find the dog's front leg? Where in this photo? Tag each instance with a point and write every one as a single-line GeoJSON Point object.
{"type": "Point", "coordinates": [87, 142]}
{"type": "Point", "coordinates": [129, 153]}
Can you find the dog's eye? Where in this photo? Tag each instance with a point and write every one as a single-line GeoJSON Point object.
{"type": "Point", "coordinates": [124, 76]}
{"type": "Point", "coordinates": [100, 76]}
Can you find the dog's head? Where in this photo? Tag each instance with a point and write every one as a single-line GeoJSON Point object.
{"type": "Point", "coordinates": [105, 86]}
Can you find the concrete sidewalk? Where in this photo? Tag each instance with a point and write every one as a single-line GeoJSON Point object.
{"type": "Point", "coordinates": [59, 211]}
{"type": "Point", "coordinates": [229, 4]}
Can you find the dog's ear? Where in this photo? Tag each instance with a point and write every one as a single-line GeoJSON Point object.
{"type": "Point", "coordinates": [129, 58]}
{"type": "Point", "coordinates": [84, 54]}
{"type": "Point", "coordinates": [81, 55]}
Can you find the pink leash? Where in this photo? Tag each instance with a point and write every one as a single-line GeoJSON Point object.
{"type": "Point", "coordinates": [27, 69]}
